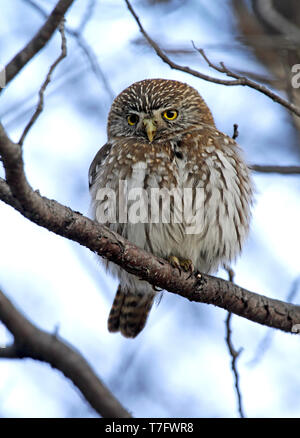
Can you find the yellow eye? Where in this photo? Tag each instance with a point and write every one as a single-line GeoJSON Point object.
{"type": "Point", "coordinates": [132, 119]}
{"type": "Point", "coordinates": [170, 114]}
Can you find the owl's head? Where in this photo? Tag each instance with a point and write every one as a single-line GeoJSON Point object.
{"type": "Point", "coordinates": [155, 109]}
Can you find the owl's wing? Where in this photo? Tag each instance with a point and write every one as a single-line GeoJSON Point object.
{"type": "Point", "coordinates": [97, 162]}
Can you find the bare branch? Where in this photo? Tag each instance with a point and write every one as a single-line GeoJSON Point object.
{"type": "Point", "coordinates": [40, 105]}
{"type": "Point", "coordinates": [91, 57]}
{"type": "Point", "coordinates": [233, 353]}
{"type": "Point", "coordinates": [38, 41]}
{"type": "Point", "coordinates": [284, 170]}
{"type": "Point", "coordinates": [31, 342]}
{"type": "Point", "coordinates": [84, 46]}
{"type": "Point", "coordinates": [88, 13]}
{"type": "Point", "coordinates": [104, 242]}
{"type": "Point", "coordinates": [265, 343]}
{"type": "Point", "coordinates": [239, 80]}
{"type": "Point", "coordinates": [242, 80]}
{"type": "Point", "coordinates": [267, 11]}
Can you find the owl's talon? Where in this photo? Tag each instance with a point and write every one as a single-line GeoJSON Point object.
{"type": "Point", "coordinates": [186, 264]}
{"type": "Point", "coordinates": [174, 261]}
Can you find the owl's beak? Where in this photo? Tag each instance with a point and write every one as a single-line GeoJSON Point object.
{"type": "Point", "coordinates": [150, 127]}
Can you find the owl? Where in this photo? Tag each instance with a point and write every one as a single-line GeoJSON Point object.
{"type": "Point", "coordinates": [171, 183]}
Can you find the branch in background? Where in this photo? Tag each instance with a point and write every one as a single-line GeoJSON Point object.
{"type": "Point", "coordinates": [233, 353]}
{"type": "Point", "coordinates": [38, 41]}
{"type": "Point", "coordinates": [92, 58]}
{"type": "Point", "coordinates": [104, 242]}
{"type": "Point", "coordinates": [267, 12]}
{"type": "Point", "coordinates": [42, 90]}
{"type": "Point", "coordinates": [265, 343]}
{"type": "Point", "coordinates": [82, 43]}
{"type": "Point", "coordinates": [88, 13]}
{"type": "Point", "coordinates": [234, 356]}
{"type": "Point", "coordinates": [284, 170]}
{"type": "Point", "coordinates": [238, 80]}
{"type": "Point", "coordinates": [31, 342]}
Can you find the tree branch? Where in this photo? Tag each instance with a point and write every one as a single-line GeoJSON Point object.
{"type": "Point", "coordinates": [104, 242]}
{"type": "Point", "coordinates": [233, 353]}
{"type": "Point", "coordinates": [31, 342]}
{"type": "Point", "coordinates": [238, 80]}
{"type": "Point", "coordinates": [284, 170]}
{"type": "Point", "coordinates": [267, 11]}
{"type": "Point", "coordinates": [38, 41]}
{"type": "Point", "coordinates": [84, 46]}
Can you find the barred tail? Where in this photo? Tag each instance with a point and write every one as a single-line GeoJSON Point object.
{"type": "Point", "coordinates": [129, 313]}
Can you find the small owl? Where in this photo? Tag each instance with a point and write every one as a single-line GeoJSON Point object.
{"type": "Point", "coordinates": [171, 183]}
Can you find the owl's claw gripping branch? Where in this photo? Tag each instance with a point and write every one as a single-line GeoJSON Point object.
{"type": "Point", "coordinates": [186, 264]}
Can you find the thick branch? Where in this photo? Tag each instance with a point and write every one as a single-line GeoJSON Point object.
{"type": "Point", "coordinates": [99, 239]}
{"type": "Point", "coordinates": [38, 41]}
{"type": "Point", "coordinates": [238, 79]}
{"type": "Point", "coordinates": [37, 344]}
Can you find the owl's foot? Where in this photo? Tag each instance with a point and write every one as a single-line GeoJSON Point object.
{"type": "Point", "coordinates": [186, 264]}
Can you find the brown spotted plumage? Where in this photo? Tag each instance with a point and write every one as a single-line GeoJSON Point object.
{"type": "Point", "coordinates": [129, 312]}
{"type": "Point", "coordinates": [162, 139]}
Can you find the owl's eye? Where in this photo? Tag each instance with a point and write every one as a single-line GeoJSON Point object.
{"type": "Point", "coordinates": [170, 114]}
{"type": "Point", "coordinates": [133, 119]}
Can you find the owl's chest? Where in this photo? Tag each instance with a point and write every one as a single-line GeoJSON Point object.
{"type": "Point", "coordinates": [167, 168]}
{"type": "Point", "coordinates": [174, 164]}
{"type": "Point", "coordinates": [143, 166]}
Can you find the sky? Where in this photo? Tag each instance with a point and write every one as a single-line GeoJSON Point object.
{"type": "Point", "coordinates": [179, 365]}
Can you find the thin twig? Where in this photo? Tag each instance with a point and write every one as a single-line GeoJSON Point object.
{"type": "Point", "coordinates": [42, 90]}
{"type": "Point", "coordinates": [233, 353]}
{"type": "Point", "coordinates": [88, 13]}
{"type": "Point", "coordinates": [82, 43]}
{"type": "Point", "coordinates": [243, 80]}
{"type": "Point", "coordinates": [95, 66]}
{"type": "Point", "coordinates": [234, 356]}
{"type": "Point", "coordinates": [284, 170]}
{"type": "Point", "coordinates": [265, 343]}
{"type": "Point", "coordinates": [38, 41]}
{"type": "Point", "coordinates": [238, 80]}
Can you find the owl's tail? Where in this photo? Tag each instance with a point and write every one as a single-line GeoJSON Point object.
{"type": "Point", "coordinates": [129, 313]}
